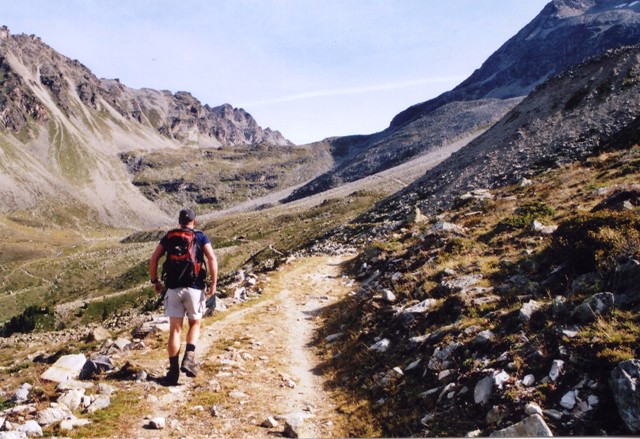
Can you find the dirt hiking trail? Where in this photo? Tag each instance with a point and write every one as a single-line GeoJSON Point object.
{"type": "Point", "coordinates": [256, 362]}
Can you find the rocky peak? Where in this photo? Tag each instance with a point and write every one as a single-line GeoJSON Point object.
{"type": "Point", "coordinates": [29, 63]}
{"type": "Point", "coordinates": [565, 33]}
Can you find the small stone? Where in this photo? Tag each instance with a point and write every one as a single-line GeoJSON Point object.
{"type": "Point", "coordinates": [157, 423]}
{"type": "Point", "coordinates": [270, 422]}
{"type": "Point", "coordinates": [553, 414]}
{"type": "Point", "coordinates": [528, 380]}
{"type": "Point", "coordinates": [533, 409]}
{"type": "Point", "coordinates": [388, 296]}
{"type": "Point", "coordinates": [557, 368]}
{"type": "Point", "coordinates": [381, 346]}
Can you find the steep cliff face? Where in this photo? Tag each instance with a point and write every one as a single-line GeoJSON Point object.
{"type": "Point", "coordinates": [63, 132]}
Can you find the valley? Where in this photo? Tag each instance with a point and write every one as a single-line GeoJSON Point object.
{"type": "Point", "coordinates": [472, 270]}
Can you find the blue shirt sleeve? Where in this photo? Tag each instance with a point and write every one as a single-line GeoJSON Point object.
{"type": "Point", "coordinates": [202, 239]}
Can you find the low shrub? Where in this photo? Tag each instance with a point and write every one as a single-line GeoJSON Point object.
{"type": "Point", "coordinates": [597, 241]}
{"type": "Point", "coordinates": [525, 215]}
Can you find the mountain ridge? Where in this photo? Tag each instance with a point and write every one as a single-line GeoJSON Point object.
{"type": "Point", "coordinates": [64, 130]}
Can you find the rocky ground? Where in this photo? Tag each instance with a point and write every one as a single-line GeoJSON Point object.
{"type": "Point", "coordinates": [258, 371]}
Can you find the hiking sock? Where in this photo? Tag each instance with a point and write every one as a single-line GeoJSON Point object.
{"type": "Point", "coordinates": [174, 363]}
{"type": "Point", "coordinates": [191, 347]}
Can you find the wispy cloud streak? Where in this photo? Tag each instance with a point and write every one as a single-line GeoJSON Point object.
{"type": "Point", "coordinates": [355, 90]}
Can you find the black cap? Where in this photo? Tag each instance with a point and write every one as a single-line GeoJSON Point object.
{"type": "Point", "coordinates": [186, 216]}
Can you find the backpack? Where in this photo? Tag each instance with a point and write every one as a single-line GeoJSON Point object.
{"type": "Point", "coordinates": [184, 263]}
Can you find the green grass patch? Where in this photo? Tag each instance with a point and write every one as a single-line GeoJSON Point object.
{"type": "Point", "coordinates": [120, 419]}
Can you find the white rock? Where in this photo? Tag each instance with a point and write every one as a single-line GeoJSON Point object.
{"type": "Point", "coordinates": [270, 422]}
{"type": "Point", "coordinates": [500, 378]}
{"type": "Point", "coordinates": [31, 428]}
{"type": "Point", "coordinates": [73, 385]}
{"type": "Point", "coordinates": [70, 424]}
{"type": "Point", "coordinates": [157, 423]}
{"type": "Point", "coordinates": [22, 394]}
{"type": "Point", "coordinates": [532, 409]}
{"type": "Point", "coordinates": [528, 380]}
{"type": "Point", "coordinates": [66, 368]}
{"type": "Point", "coordinates": [557, 368]}
{"type": "Point", "coordinates": [52, 414]}
{"type": "Point", "coordinates": [388, 296]}
{"type": "Point", "coordinates": [381, 346]}
{"type": "Point", "coordinates": [421, 307]}
{"type": "Point", "coordinates": [100, 403]}
{"type": "Point", "coordinates": [334, 337]}
{"type": "Point", "coordinates": [72, 399]}
{"type": "Point", "coordinates": [483, 390]}
{"type": "Point", "coordinates": [533, 426]}
{"type": "Point", "coordinates": [568, 401]}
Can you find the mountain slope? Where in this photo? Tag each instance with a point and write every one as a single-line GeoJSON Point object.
{"type": "Point", "coordinates": [566, 119]}
{"type": "Point", "coordinates": [566, 32]}
{"type": "Point", "coordinates": [62, 131]}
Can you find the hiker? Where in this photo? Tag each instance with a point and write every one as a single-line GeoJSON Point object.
{"type": "Point", "coordinates": [184, 275]}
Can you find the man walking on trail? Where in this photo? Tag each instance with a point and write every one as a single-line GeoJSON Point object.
{"type": "Point", "coordinates": [184, 274]}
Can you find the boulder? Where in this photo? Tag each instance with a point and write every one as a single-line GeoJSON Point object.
{"type": "Point", "coordinates": [483, 390]}
{"type": "Point", "coordinates": [589, 309]}
{"type": "Point", "coordinates": [66, 368]}
{"type": "Point", "coordinates": [98, 334]}
{"type": "Point", "coordinates": [626, 392]}
{"type": "Point", "coordinates": [625, 283]}
{"type": "Point", "coordinates": [52, 414]}
{"type": "Point", "coordinates": [100, 403]}
{"type": "Point", "coordinates": [31, 428]}
{"type": "Point", "coordinates": [533, 426]}
{"type": "Point", "coordinates": [72, 399]}
{"type": "Point", "coordinates": [96, 365]}
{"type": "Point", "coordinates": [528, 309]}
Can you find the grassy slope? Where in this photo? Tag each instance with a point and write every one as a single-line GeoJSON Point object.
{"type": "Point", "coordinates": [498, 245]}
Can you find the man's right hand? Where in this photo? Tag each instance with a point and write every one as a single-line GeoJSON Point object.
{"type": "Point", "coordinates": [158, 287]}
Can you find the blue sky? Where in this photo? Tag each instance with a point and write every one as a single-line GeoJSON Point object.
{"type": "Point", "coordinates": [308, 68]}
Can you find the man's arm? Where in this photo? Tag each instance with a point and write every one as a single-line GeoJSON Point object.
{"type": "Point", "coordinates": [212, 265]}
{"type": "Point", "coordinates": [153, 268]}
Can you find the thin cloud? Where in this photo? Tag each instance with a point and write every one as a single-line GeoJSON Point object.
{"type": "Point", "coordinates": [354, 90]}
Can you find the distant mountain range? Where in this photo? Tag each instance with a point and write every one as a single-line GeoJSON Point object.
{"type": "Point", "coordinates": [76, 148]}
{"type": "Point", "coordinates": [565, 33]}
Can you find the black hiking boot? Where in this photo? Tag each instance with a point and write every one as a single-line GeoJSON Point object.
{"type": "Point", "coordinates": [189, 364]}
{"type": "Point", "coordinates": [170, 379]}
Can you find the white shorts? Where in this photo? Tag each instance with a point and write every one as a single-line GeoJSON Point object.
{"type": "Point", "coordinates": [181, 301]}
